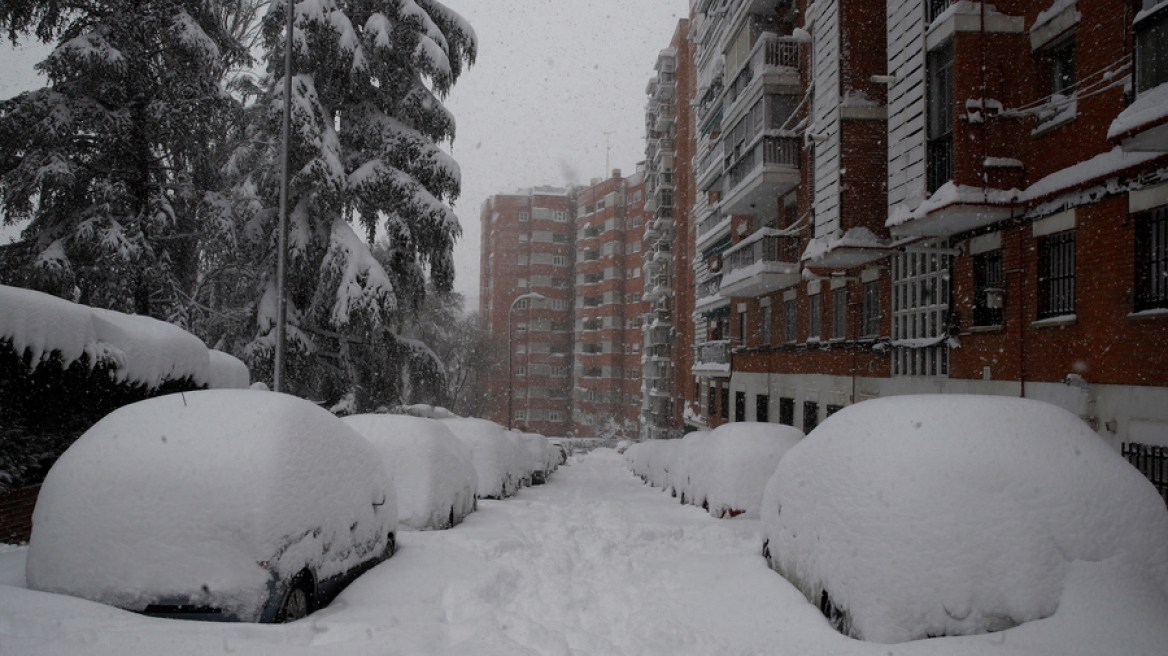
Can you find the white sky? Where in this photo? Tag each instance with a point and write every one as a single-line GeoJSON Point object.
{"type": "Point", "coordinates": [553, 76]}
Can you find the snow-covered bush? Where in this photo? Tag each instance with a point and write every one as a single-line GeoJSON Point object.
{"type": "Point", "coordinates": [916, 516]}
{"type": "Point", "coordinates": [210, 498]}
{"type": "Point", "coordinates": [63, 366]}
{"type": "Point", "coordinates": [227, 372]}
{"type": "Point", "coordinates": [496, 459]}
{"type": "Point", "coordinates": [730, 466]}
{"type": "Point", "coordinates": [432, 469]}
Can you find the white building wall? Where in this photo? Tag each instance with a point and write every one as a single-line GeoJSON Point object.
{"type": "Point", "coordinates": [906, 102]}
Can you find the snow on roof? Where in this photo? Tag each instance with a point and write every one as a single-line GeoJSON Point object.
{"type": "Point", "coordinates": [189, 491]}
{"type": "Point", "coordinates": [432, 469]}
{"type": "Point", "coordinates": [955, 514]}
{"type": "Point", "coordinates": [141, 350]}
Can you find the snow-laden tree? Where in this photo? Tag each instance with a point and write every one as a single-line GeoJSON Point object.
{"type": "Point", "coordinates": [367, 124]}
{"type": "Point", "coordinates": [108, 164]}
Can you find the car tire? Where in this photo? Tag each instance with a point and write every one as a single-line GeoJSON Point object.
{"type": "Point", "coordinates": [297, 602]}
{"type": "Point", "coordinates": [390, 546]}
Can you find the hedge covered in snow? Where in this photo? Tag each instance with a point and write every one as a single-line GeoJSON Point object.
{"type": "Point", "coordinates": [63, 366]}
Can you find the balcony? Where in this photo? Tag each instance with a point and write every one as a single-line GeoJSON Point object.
{"type": "Point", "coordinates": [766, 170]}
{"type": "Point", "coordinates": [710, 167]}
{"type": "Point", "coordinates": [712, 358]}
{"type": "Point", "coordinates": [773, 61]}
{"type": "Point", "coordinates": [658, 387]}
{"type": "Point", "coordinates": [765, 262]}
{"type": "Point", "coordinates": [664, 118]}
{"type": "Point", "coordinates": [660, 335]}
{"type": "Point", "coordinates": [707, 297]}
{"type": "Point", "coordinates": [712, 228]}
{"type": "Point", "coordinates": [658, 352]}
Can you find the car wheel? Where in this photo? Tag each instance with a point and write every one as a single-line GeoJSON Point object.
{"type": "Point", "coordinates": [297, 602]}
{"type": "Point", "coordinates": [390, 545]}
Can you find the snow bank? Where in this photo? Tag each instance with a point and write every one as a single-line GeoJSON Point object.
{"type": "Point", "coordinates": [496, 459]}
{"type": "Point", "coordinates": [919, 516]}
{"type": "Point", "coordinates": [227, 371]}
{"type": "Point", "coordinates": [188, 492]}
{"type": "Point", "coordinates": [138, 349]}
{"type": "Point", "coordinates": [432, 469]}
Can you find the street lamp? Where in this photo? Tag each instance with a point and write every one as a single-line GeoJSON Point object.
{"type": "Point", "coordinates": [532, 296]}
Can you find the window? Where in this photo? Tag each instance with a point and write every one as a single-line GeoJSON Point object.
{"type": "Point", "coordinates": [522, 260]}
{"type": "Point", "coordinates": [790, 327]}
{"type": "Point", "coordinates": [560, 217]}
{"type": "Point", "coordinates": [871, 326]}
{"type": "Point", "coordinates": [559, 260]}
{"type": "Point", "coordinates": [1151, 51]}
{"type": "Point", "coordinates": [762, 404]}
{"type": "Point", "coordinates": [524, 217]}
{"type": "Point", "coordinates": [725, 403]}
{"type": "Point", "coordinates": [764, 331]}
{"type": "Point", "coordinates": [522, 304]}
{"type": "Point", "coordinates": [520, 415]}
{"type": "Point", "coordinates": [1056, 275]}
{"type": "Point", "coordinates": [920, 310]}
{"type": "Point", "coordinates": [711, 397]}
{"type": "Point", "coordinates": [939, 122]}
{"type": "Point", "coordinates": [559, 238]}
{"type": "Point", "coordinates": [559, 371]}
{"type": "Point", "coordinates": [934, 8]}
{"type": "Point", "coordinates": [521, 371]}
{"type": "Point", "coordinates": [556, 415]}
{"type": "Point", "coordinates": [988, 288]}
{"type": "Point", "coordinates": [1152, 260]}
{"type": "Point", "coordinates": [831, 409]}
{"type": "Point", "coordinates": [637, 219]}
{"type": "Point", "coordinates": [810, 416]}
{"type": "Point", "coordinates": [839, 313]}
{"type": "Point", "coordinates": [815, 317]}
{"type": "Point", "coordinates": [740, 406]}
{"type": "Point", "coordinates": [786, 411]}
{"type": "Point", "coordinates": [636, 348]}
{"type": "Point", "coordinates": [523, 239]}
{"type": "Point", "coordinates": [742, 328]}
{"type": "Point", "coordinates": [559, 304]}
{"type": "Point", "coordinates": [522, 282]}
{"type": "Point", "coordinates": [1062, 67]}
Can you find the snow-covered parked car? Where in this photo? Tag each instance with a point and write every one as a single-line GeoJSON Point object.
{"type": "Point", "coordinates": [217, 504]}
{"type": "Point", "coordinates": [525, 460]}
{"type": "Point", "coordinates": [544, 457]}
{"type": "Point", "coordinates": [916, 516]}
{"type": "Point", "coordinates": [432, 470]}
{"type": "Point", "coordinates": [496, 458]}
{"type": "Point", "coordinates": [731, 465]}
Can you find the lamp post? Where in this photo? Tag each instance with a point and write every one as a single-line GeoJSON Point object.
{"type": "Point", "coordinates": [532, 296]}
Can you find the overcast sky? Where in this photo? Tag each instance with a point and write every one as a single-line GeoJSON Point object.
{"type": "Point", "coordinates": [553, 76]}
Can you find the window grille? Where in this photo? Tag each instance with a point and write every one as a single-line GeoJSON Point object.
{"type": "Point", "coordinates": [810, 416]}
{"type": "Point", "coordinates": [839, 313]}
{"type": "Point", "coordinates": [790, 328]}
{"type": "Point", "coordinates": [920, 311]}
{"type": "Point", "coordinates": [872, 314]}
{"type": "Point", "coordinates": [815, 318]}
{"type": "Point", "coordinates": [762, 404]}
{"type": "Point", "coordinates": [1152, 260]}
{"type": "Point", "coordinates": [988, 288]}
{"type": "Point", "coordinates": [1056, 275]}
{"type": "Point", "coordinates": [1151, 51]}
{"type": "Point", "coordinates": [939, 158]}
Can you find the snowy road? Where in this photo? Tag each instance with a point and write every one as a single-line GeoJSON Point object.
{"type": "Point", "coordinates": [594, 562]}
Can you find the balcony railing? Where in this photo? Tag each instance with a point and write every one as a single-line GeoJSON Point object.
{"type": "Point", "coordinates": [709, 223]}
{"type": "Point", "coordinates": [713, 352]}
{"type": "Point", "coordinates": [768, 151]}
{"type": "Point", "coordinates": [772, 248]}
{"type": "Point", "coordinates": [709, 287]}
{"type": "Point", "coordinates": [770, 50]}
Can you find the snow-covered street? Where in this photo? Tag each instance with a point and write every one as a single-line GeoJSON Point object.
{"type": "Point", "coordinates": [594, 562]}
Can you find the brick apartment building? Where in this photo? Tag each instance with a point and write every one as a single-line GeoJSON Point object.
{"type": "Point", "coordinates": [668, 240]}
{"type": "Point", "coordinates": [958, 198]}
{"type": "Point", "coordinates": [562, 303]}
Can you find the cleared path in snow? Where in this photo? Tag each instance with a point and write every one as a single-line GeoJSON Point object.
{"type": "Point", "coordinates": [593, 563]}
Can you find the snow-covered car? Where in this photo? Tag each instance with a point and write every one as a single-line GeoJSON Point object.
{"type": "Point", "coordinates": [496, 458]}
{"type": "Point", "coordinates": [432, 470]}
{"type": "Point", "coordinates": [732, 464]}
{"type": "Point", "coordinates": [918, 516]}
{"type": "Point", "coordinates": [216, 504]}
{"type": "Point", "coordinates": [544, 457]}
{"type": "Point", "coordinates": [525, 460]}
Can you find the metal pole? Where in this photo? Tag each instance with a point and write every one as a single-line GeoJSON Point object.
{"type": "Point", "coordinates": [282, 254]}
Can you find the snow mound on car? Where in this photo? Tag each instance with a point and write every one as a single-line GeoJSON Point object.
{"type": "Point", "coordinates": [730, 466]}
{"type": "Point", "coordinates": [191, 491]}
{"type": "Point", "coordinates": [497, 460]}
{"type": "Point", "coordinates": [432, 469]}
{"type": "Point", "coordinates": [920, 516]}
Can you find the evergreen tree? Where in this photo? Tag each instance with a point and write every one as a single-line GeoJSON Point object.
{"type": "Point", "coordinates": [367, 121]}
{"type": "Point", "coordinates": [108, 163]}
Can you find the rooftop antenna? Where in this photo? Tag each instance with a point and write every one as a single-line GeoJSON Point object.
{"type": "Point", "coordinates": [607, 148]}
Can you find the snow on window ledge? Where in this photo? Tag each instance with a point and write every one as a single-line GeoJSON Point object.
{"type": "Point", "coordinates": [1054, 322]}
{"type": "Point", "coordinates": [1154, 313]}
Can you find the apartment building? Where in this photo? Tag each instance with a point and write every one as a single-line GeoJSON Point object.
{"type": "Point", "coordinates": [561, 276]}
{"type": "Point", "coordinates": [959, 198]}
{"type": "Point", "coordinates": [668, 277]}
{"type": "Point", "coordinates": [610, 227]}
{"type": "Point", "coordinates": [525, 307]}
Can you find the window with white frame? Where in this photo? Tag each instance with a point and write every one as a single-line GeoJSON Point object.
{"type": "Point", "coordinates": [1056, 275]}
{"type": "Point", "coordinates": [1151, 47]}
{"type": "Point", "coordinates": [815, 316]}
{"type": "Point", "coordinates": [920, 310]}
{"type": "Point", "coordinates": [560, 217]}
{"type": "Point", "coordinates": [555, 415]}
{"type": "Point", "coordinates": [559, 260]}
{"type": "Point", "coordinates": [872, 315]}
{"type": "Point", "coordinates": [1152, 260]}
{"type": "Point", "coordinates": [524, 217]}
